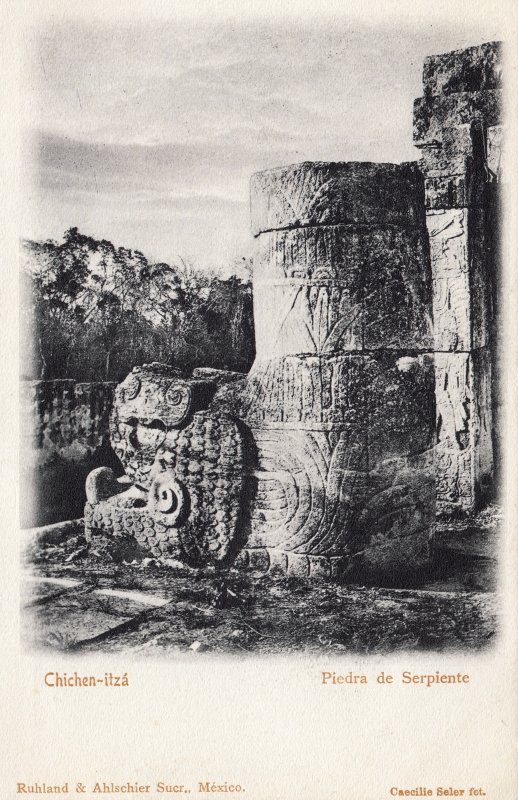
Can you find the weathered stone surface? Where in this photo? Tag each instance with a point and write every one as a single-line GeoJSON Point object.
{"type": "Point", "coordinates": [64, 435]}
{"type": "Point", "coordinates": [308, 500]}
{"type": "Point", "coordinates": [65, 418]}
{"type": "Point", "coordinates": [458, 126]}
{"type": "Point", "coordinates": [470, 70]}
{"type": "Point", "coordinates": [335, 193]}
{"type": "Point", "coordinates": [305, 390]}
{"type": "Point", "coordinates": [150, 401]}
{"type": "Point", "coordinates": [298, 565]}
{"type": "Point", "coordinates": [219, 377]}
{"type": "Point", "coordinates": [464, 448]}
{"type": "Point", "coordinates": [457, 172]}
{"type": "Point", "coordinates": [483, 276]}
{"type": "Point", "coordinates": [305, 493]}
{"type": "Point", "coordinates": [434, 114]}
{"type": "Point", "coordinates": [449, 192]}
{"type": "Point", "coordinates": [483, 424]}
{"type": "Point", "coordinates": [185, 469]}
{"type": "Point", "coordinates": [453, 156]}
{"type": "Point", "coordinates": [340, 400]}
{"type": "Point", "coordinates": [462, 285]}
{"type": "Point", "coordinates": [386, 393]}
{"type": "Point", "coordinates": [448, 231]}
{"type": "Point", "coordinates": [337, 288]}
{"type": "Point", "coordinates": [399, 404]}
{"type": "Point", "coordinates": [496, 152]}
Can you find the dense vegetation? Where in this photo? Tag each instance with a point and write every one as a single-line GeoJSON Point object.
{"type": "Point", "coordinates": [91, 311]}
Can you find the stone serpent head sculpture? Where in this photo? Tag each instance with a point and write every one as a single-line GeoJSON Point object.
{"type": "Point", "coordinates": [181, 493]}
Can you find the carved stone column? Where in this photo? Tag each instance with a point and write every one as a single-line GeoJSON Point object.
{"type": "Point", "coordinates": [457, 125]}
{"type": "Point", "coordinates": [340, 399]}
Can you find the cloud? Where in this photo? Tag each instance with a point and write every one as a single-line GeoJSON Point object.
{"type": "Point", "coordinates": [152, 132]}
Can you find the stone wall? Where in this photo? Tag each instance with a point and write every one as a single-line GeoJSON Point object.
{"type": "Point", "coordinates": [458, 127]}
{"type": "Point", "coordinates": [64, 435]}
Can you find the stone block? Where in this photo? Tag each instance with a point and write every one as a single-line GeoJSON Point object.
{"type": "Point", "coordinates": [303, 318]}
{"type": "Point", "coordinates": [334, 193]}
{"type": "Point", "coordinates": [338, 567]}
{"type": "Point", "coordinates": [64, 435]}
{"type": "Point", "coordinates": [343, 297]}
{"type": "Point", "coordinates": [469, 70]}
{"type": "Point", "coordinates": [304, 392]}
{"type": "Point", "coordinates": [464, 422]}
{"type": "Point", "coordinates": [462, 291]}
{"type": "Point", "coordinates": [496, 155]}
{"type": "Point", "coordinates": [298, 565]}
{"type": "Point", "coordinates": [355, 512]}
{"type": "Point", "coordinates": [349, 393]}
{"type": "Point", "coordinates": [400, 405]}
{"type": "Point", "coordinates": [449, 192]}
{"type": "Point", "coordinates": [448, 232]}
{"type": "Point", "coordinates": [483, 423]}
{"type": "Point", "coordinates": [160, 398]}
{"type": "Point", "coordinates": [309, 502]}
{"type": "Point", "coordinates": [65, 419]}
{"type": "Point", "coordinates": [182, 496]}
{"type": "Point", "coordinates": [452, 156]}
{"type": "Point", "coordinates": [397, 293]}
{"type": "Point", "coordinates": [305, 491]}
{"type": "Point", "coordinates": [189, 505]}
{"type": "Point", "coordinates": [434, 114]}
{"type": "Point", "coordinates": [317, 477]}
{"type": "Point", "coordinates": [482, 279]}
{"type": "Point", "coordinates": [258, 559]}
{"type": "Point", "coordinates": [242, 559]}
{"type": "Point", "coordinates": [458, 126]}
{"type": "Point", "coordinates": [334, 289]}
{"type": "Point", "coordinates": [219, 377]}
{"type": "Point", "coordinates": [319, 567]}
{"type": "Point", "coordinates": [278, 561]}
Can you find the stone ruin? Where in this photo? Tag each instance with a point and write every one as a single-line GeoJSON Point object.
{"type": "Point", "coordinates": [458, 127]}
{"type": "Point", "coordinates": [182, 493]}
{"type": "Point", "coordinates": [369, 405]}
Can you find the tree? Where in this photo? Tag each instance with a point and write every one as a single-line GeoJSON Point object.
{"type": "Point", "coordinates": [95, 310]}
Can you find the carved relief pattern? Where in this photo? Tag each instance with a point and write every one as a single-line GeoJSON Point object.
{"type": "Point", "coordinates": [182, 494]}
{"type": "Point", "coordinates": [451, 281]}
{"type": "Point", "coordinates": [327, 193]}
{"type": "Point", "coordinates": [302, 488]}
{"type": "Point", "coordinates": [340, 397]}
{"type": "Point", "coordinates": [341, 288]}
{"type": "Point", "coordinates": [464, 447]}
{"type": "Point", "coordinates": [458, 126]}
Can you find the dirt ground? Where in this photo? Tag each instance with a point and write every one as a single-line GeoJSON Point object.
{"type": "Point", "coordinates": [77, 598]}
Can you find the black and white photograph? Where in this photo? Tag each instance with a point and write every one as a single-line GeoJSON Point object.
{"type": "Point", "coordinates": [261, 322]}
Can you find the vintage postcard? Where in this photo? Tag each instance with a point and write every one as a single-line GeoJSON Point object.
{"type": "Point", "coordinates": [260, 400]}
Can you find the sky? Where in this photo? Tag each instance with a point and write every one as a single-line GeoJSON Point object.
{"type": "Point", "coordinates": [147, 134]}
